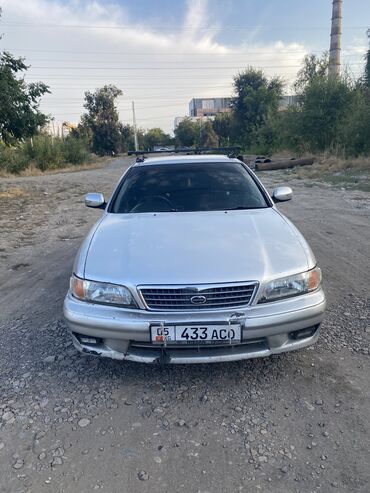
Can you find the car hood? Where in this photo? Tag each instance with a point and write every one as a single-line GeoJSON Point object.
{"type": "Point", "coordinates": [195, 248]}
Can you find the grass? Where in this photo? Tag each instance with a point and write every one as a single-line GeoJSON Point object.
{"type": "Point", "coordinates": [32, 170]}
{"type": "Point", "coordinates": [349, 180]}
{"type": "Point", "coordinates": [351, 174]}
{"type": "Point", "coordinates": [13, 193]}
{"type": "Point", "coordinates": [44, 153]}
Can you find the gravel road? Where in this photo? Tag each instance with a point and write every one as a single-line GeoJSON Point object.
{"type": "Point", "coordinates": [298, 422]}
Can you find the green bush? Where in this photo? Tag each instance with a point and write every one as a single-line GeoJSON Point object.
{"type": "Point", "coordinates": [355, 131]}
{"type": "Point", "coordinates": [50, 153]}
{"type": "Point", "coordinates": [75, 151]}
{"type": "Point", "coordinates": [45, 151]}
{"type": "Point", "coordinates": [12, 160]}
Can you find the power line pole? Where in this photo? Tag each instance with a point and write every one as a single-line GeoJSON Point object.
{"type": "Point", "coordinates": [134, 125]}
{"type": "Point", "coordinates": [335, 39]}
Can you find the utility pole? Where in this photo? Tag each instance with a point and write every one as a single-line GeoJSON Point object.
{"type": "Point", "coordinates": [134, 125]}
{"type": "Point", "coordinates": [53, 137]}
{"type": "Point", "coordinates": [335, 39]}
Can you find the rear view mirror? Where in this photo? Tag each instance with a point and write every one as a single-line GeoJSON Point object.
{"type": "Point", "coordinates": [282, 194]}
{"type": "Point", "coordinates": [95, 200]}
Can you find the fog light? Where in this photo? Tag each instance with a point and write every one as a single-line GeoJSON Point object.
{"type": "Point", "coordinates": [303, 333]}
{"type": "Point", "coordinates": [88, 340]}
{"type": "Point", "coordinates": [82, 339]}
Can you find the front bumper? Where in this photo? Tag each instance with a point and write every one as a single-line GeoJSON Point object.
{"type": "Point", "coordinates": [267, 329]}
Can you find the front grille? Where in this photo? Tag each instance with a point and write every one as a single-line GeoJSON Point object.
{"type": "Point", "coordinates": [180, 298]}
{"type": "Point", "coordinates": [261, 341]}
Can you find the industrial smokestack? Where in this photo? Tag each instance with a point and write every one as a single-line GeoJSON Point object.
{"type": "Point", "coordinates": [335, 39]}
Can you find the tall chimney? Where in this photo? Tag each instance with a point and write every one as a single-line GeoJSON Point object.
{"type": "Point", "coordinates": [335, 39]}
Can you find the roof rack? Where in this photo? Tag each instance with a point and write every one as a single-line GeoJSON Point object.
{"type": "Point", "coordinates": [230, 151]}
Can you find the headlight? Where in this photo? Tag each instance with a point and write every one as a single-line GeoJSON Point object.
{"type": "Point", "coordinates": [101, 292]}
{"type": "Point", "coordinates": [287, 287]}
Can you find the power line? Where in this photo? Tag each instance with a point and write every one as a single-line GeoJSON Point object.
{"type": "Point", "coordinates": [154, 96]}
{"type": "Point", "coordinates": [219, 67]}
{"type": "Point", "coordinates": [113, 78]}
{"type": "Point", "coordinates": [126, 88]}
{"type": "Point", "coordinates": [60, 115]}
{"type": "Point", "coordinates": [172, 62]}
{"type": "Point", "coordinates": [64, 101]}
{"type": "Point", "coordinates": [161, 96]}
{"type": "Point", "coordinates": [169, 101]}
{"type": "Point", "coordinates": [236, 53]}
{"type": "Point", "coordinates": [183, 103]}
{"type": "Point", "coordinates": [240, 57]}
{"type": "Point", "coordinates": [110, 78]}
{"type": "Point", "coordinates": [175, 28]}
{"type": "Point", "coordinates": [34, 67]}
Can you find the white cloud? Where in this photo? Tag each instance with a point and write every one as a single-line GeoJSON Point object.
{"type": "Point", "coordinates": [113, 48]}
{"type": "Point", "coordinates": [197, 17]}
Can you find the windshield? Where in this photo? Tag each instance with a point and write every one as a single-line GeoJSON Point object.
{"type": "Point", "coordinates": [188, 188]}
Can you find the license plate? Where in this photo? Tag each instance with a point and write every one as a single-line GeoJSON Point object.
{"type": "Point", "coordinates": [196, 334]}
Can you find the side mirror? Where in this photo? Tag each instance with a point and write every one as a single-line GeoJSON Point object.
{"type": "Point", "coordinates": [282, 194]}
{"type": "Point", "coordinates": [95, 200]}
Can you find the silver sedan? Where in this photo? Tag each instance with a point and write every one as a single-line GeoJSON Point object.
{"type": "Point", "coordinates": [192, 262]}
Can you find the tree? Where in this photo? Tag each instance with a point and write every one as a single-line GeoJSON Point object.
{"type": "Point", "coordinates": [223, 125]}
{"type": "Point", "coordinates": [102, 119]}
{"type": "Point", "coordinates": [208, 137]}
{"type": "Point", "coordinates": [127, 139]}
{"type": "Point", "coordinates": [187, 133]}
{"type": "Point", "coordinates": [83, 132]}
{"type": "Point", "coordinates": [331, 114]}
{"type": "Point", "coordinates": [19, 102]}
{"type": "Point", "coordinates": [156, 137]}
{"type": "Point", "coordinates": [313, 67]}
{"type": "Point", "coordinates": [355, 131]}
{"type": "Point", "coordinates": [256, 100]}
{"type": "Point", "coordinates": [367, 63]}
{"type": "Point", "coordinates": [317, 124]}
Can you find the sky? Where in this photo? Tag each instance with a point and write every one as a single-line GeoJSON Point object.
{"type": "Point", "coordinates": [163, 53]}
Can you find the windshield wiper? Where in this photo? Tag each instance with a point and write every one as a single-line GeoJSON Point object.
{"type": "Point", "coordinates": [239, 208]}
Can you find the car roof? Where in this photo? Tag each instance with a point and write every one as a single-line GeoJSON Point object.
{"type": "Point", "coordinates": [181, 159]}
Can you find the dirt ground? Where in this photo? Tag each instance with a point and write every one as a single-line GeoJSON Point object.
{"type": "Point", "coordinates": [298, 422]}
